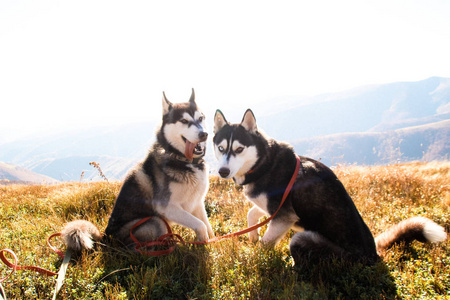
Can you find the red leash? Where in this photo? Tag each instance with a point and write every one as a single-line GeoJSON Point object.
{"type": "Point", "coordinates": [166, 240]}
{"type": "Point", "coordinates": [171, 239]}
{"type": "Point", "coordinates": [61, 274]}
{"type": "Point", "coordinates": [15, 267]}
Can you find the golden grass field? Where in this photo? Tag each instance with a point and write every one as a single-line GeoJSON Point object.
{"type": "Point", "coordinates": [235, 268]}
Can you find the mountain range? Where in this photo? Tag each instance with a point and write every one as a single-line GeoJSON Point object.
{"type": "Point", "coordinates": [378, 124]}
{"type": "Point", "coordinates": [10, 173]}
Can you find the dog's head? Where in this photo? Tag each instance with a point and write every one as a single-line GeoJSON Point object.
{"type": "Point", "coordinates": [183, 127]}
{"type": "Point", "coordinates": [237, 147]}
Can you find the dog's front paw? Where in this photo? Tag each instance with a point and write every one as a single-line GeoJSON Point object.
{"type": "Point", "coordinates": [202, 234]}
{"type": "Point", "coordinates": [253, 236]}
{"type": "Point", "coordinates": [202, 237]}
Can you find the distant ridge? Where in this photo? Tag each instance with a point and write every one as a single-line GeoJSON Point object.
{"type": "Point", "coordinates": [422, 143]}
{"type": "Point", "coordinates": [77, 168]}
{"type": "Point", "coordinates": [10, 173]}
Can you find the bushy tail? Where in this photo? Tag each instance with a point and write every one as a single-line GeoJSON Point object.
{"type": "Point", "coordinates": [80, 234]}
{"type": "Point", "coordinates": [416, 228]}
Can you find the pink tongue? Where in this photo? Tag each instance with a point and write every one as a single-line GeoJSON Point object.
{"type": "Point", "coordinates": [189, 150]}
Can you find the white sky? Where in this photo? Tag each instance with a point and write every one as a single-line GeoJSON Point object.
{"type": "Point", "coordinates": [77, 63]}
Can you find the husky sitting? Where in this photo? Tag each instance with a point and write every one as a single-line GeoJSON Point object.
{"type": "Point", "coordinates": [170, 183]}
{"type": "Point", "coordinates": [318, 204]}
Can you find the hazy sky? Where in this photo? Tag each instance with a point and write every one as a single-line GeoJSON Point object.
{"type": "Point", "coordinates": [77, 63]}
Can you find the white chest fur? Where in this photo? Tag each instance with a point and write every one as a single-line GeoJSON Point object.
{"type": "Point", "coordinates": [190, 192]}
{"type": "Point", "coordinates": [261, 200]}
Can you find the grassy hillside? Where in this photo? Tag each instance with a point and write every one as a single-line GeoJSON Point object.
{"type": "Point", "coordinates": [236, 268]}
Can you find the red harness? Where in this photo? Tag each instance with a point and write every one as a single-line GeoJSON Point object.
{"type": "Point", "coordinates": [171, 239]}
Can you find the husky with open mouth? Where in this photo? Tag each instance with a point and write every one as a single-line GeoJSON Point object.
{"type": "Point", "coordinates": [171, 183]}
{"type": "Point", "coordinates": [318, 206]}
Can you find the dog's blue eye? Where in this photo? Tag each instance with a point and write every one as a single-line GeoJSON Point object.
{"type": "Point", "coordinates": [239, 150]}
{"type": "Point", "coordinates": [221, 149]}
{"type": "Point", "coordinates": [184, 121]}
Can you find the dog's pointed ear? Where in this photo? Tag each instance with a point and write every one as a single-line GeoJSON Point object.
{"type": "Point", "coordinates": [249, 121]}
{"type": "Point", "coordinates": [192, 99]}
{"type": "Point", "coordinates": [219, 121]}
{"type": "Point", "coordinates": [166, 104]}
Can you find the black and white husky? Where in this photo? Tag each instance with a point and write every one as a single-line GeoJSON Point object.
{"type": "Point", "coordinates": [170, 183]}
{"type": "Point", "coordinates": [318, 205]}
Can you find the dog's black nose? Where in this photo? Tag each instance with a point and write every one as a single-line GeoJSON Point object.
{"type": "Point", "coordinates": [224, 172]}
{"type": "Point", "coordinates": [203, 136]}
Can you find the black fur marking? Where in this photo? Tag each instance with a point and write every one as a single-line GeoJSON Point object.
{"type": "Point", "coordinates": [324, 206]}
{"type": "Point", "coordinates": [129, 206]}
{"type": "Point", "coordinates": [176, 113]}
{"type": "Point", "coordinates": [312, 247]}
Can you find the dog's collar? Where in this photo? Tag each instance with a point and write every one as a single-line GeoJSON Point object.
{"type": "Point", "coordinates": [171, 155]}
{"type": "Point", "coordinates": [254, 169]}
{"type": "Point", "coordinates": [195, 161]}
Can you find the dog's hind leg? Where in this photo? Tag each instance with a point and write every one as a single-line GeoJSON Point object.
{"type": "Point", "coordinates": [277, 229]}
{"type": "Point", "coordinates": [253, 216]}
{"type": "Point", "coordinates": [148, 231]}
{"type": "Point", "coordinates": [311, 246]}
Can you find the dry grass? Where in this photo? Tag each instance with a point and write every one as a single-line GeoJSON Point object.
{"type": "Point", "coordinates": [231, 269]}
